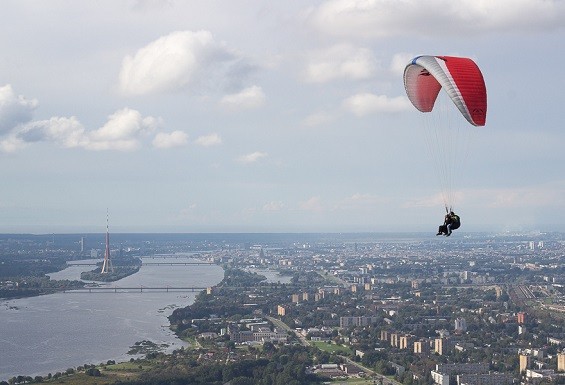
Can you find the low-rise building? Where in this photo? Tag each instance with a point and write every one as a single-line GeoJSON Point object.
{"type": "Point", "coordinates": [485, 379]}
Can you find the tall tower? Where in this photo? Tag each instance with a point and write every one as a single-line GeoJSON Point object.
{"type": "Point", "coordinates": [107, 266]}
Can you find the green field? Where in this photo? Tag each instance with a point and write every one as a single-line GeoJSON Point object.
{"type": "Point", "coordinates": [331, 348]}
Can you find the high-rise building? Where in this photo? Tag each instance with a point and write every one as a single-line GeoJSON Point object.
{"type": "Point", "coordinates": [524, 362]}
{"type": "Point", "coordinates": [394, 339]}
{"type": "Point", "coordinates": [439, 346]}
{"type": "Point", "coordinates": [421, 347]}
{"type": "Point", "coordinates": [561, 362]}
{"type": "Point", "coordinates": [440, 378]}
{"type": "Point", "coordinates": [405, 341]}
{"type": "Point", "coordinates": [384, 335]}
{"type": "Point", "coordinates": [345, 322]}
{"type": "Point", "coordinates": [521, 318]}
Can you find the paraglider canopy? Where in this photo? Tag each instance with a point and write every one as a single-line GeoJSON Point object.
{"type": "Point", "coordinates": [460, 77]}
{"type": "Point", "coordinates": [445, 133]}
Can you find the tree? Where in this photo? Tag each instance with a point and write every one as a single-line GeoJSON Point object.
{"type": "Point", "coordinates": [242, 381]}
{"type": "Point", "coordinates": [269, 347]}
{"type": "Point", "coordinates": [94, 372]}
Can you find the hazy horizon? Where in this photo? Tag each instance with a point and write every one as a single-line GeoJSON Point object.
{"type": "Point", "coordinates": [271, 117]}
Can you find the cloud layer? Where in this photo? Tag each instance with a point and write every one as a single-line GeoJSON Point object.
{"type": "Point", "coordinates": [340, 62]}
{"type": "Point", "coordinates": [251, 97]}
{"type": "Point", "coordinates": [383, 18]}
{"type": "Point", "coordinates": [14, 109]}
{"type": "Point", "coordinates": [125, 130]}
{"type": "Point", "coordinates": [174, 62]}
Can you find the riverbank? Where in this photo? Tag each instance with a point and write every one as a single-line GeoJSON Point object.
{"type": "Point", "coordinates": [59, 326]}
{"type": "Point", "coordinates": [24, 287]}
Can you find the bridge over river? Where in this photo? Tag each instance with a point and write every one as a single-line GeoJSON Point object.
{"type": "Point", "coordinates": [134, 289]}
{"type": "Point", "coordinates": [78, 263]}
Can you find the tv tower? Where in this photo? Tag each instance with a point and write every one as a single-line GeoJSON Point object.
{"type": "Point", "coordinates": [107, 266]}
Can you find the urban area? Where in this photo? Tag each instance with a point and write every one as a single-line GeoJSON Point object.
{"type": "Point", "coordinates": [472, 309]}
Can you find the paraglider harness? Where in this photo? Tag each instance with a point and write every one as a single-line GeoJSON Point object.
{"type": "Point", "coordinates": [452, 220]}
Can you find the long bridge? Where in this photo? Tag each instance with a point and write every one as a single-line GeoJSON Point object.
{"type": "Point", "coordinates": [134, 289]}
{"type": "Point", "coordinates": [78, 263]}
{"type": "Point", "coordinates": [162, 289]}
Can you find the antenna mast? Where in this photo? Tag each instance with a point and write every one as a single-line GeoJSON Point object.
{"type": "Point", "coordinates": [107, 265]}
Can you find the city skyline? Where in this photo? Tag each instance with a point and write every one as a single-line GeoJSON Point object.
{"type": "Point", "coordinates": [253, 117]}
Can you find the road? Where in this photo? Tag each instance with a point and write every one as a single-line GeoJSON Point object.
{"type": "Point", "coordinates": [381, 380]}
{"type": "Point", "coordinates": [281, 325]}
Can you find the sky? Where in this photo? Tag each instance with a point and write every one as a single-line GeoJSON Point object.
{"type": "Point", "coordinates": [279, 116]}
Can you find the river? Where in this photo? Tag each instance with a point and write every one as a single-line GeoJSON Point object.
{"type": "Point", "coordinates": [50, 333]}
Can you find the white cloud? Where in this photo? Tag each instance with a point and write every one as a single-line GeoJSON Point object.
{"type": "Point", "coordinates": [384, 18]}
{"type": "Point", "coordinates": [252, 157]}
{"type": "Point", "coordinates": [367, 103]}
{"type": "Point", "coordinates": [251, 97]}
{"type": "Point", "coordinates": [169, 140]}
{"type": "Point", "coordinates": [312, 204]}
{"type": "Point", "coordinates": [66, 132]}
{"type": "Point", "coordinates": [173, 62]}
{"type": "Point", "coordinates": [11, 144]}
{"type": "Point", "coordinates": [123, 131]}
{"type": "Point", "coordinates": [208, 140]}
{"type": "Point", "coordinates": [340, 62]}
{"type": "Point", "coordinates": [273, 206]}
{"type": "Point", "coordinates": [399, 62]}
{"type": "Point", "coordinates": [14, 109]}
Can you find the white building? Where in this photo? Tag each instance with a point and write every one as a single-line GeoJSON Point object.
{"type": "Point", "coordinates": [461, 324]}
{"type": "Point", "coordinates": [440, 378]}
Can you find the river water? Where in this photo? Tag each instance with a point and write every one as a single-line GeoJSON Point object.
{"type": "Point", "coordinates": [50, 333]}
